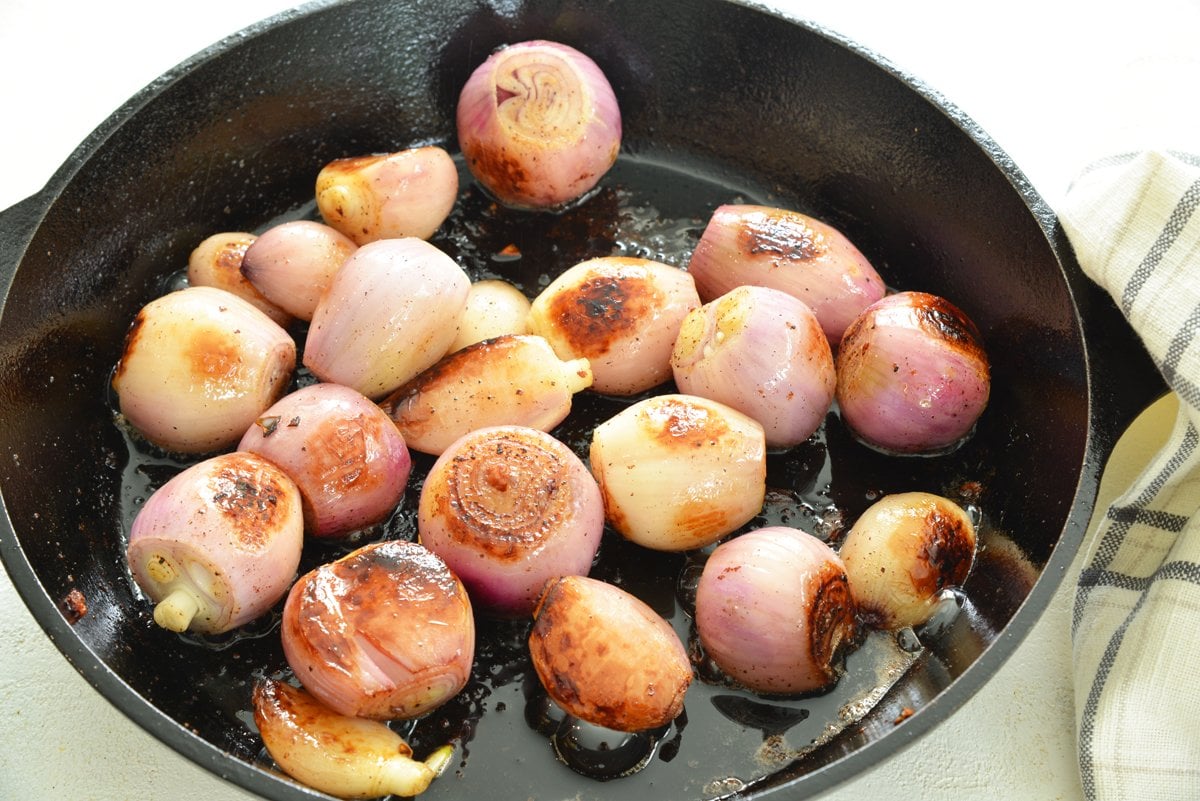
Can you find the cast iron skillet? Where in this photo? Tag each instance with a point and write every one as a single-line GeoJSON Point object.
{"type": "Point", "coordinates": [721, 102]}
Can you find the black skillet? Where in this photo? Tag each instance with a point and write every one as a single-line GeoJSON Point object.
{"type": "Point", "coordinates": [721, 102]}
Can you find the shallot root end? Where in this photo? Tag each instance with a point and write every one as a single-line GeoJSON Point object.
{"type": "Point", "coordinates": [176, 610]}
{"type": "Point", "coordinates": [408, 777]}
{"type": "Point", "coordinates": [405, 777]}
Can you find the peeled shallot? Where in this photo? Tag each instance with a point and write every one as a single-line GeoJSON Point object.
{"type": "Point", "coordinates": [388, 196]}
{"type": "Point", "coordinates": [293, 263]}
{"type": "Point", "coordinates": [509, 380]}
{"type": "Point", "coordinates": [762, 352]}
{"type": "Point", "coordinates": [606, 657]}
{"type": "Point", "coordinates": [385, 632]}
{"type": "Point", "coordinates": [508, 508]}
{"type": "Point", "coordinates": [345, 756]}
{"type": "Point", "coordinates": [344, 453]}
{"type": "Point", "coordinates": [538, 124]}
{"type": "Point", "coordinates": [620, 313]}
{"type": "Point", "coordinates": [679, 472]}
{"type": "Point", "coordinates": [494, 308]}
{"type": "Point", "coordinates": [912, 374]}
{"type": "Point", "coordinates": [774, 611]}
{"type": "Point", "coordinates": [789, 251]}
{"type": "Point", "coordinates": [391, 311]}
{"type": "Point", "coordinates": [199, 366]}
{"type": "Point", "coordinates": [218, 544]}
{"type": "Point", "coordinates": [903, 553]}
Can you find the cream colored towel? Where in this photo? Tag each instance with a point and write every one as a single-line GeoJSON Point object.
{"type": "Point", "coordinates": [1135, 225]}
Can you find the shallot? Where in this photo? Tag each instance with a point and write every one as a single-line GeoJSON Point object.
{"type": "Point", "coordinates": [345, 756]}
{"type": "Point", "coordinates": [345, 454]}
{"type": "Point", "coordinates": [508, 508]}
{"type": "Point", "coordinates": [494, 308]}
{"type": "Point", "coordinates": [622, 314]}
{"type": "Point", "coordinates": [789, 251]}
{"type": "Point", "coordinates": [218, 544]}
{"type": "Point", "coordinates": [538, 124]}
{"type": "Point", "coordinates": [913, 375]}
{"type": "Point", "coordinates": [385, 632]}
{"type": "Point", "coordinates": [199, 366]}
{"type": "Point", "coordinates": [509, 380]}
{"type": "Point", "coordinates": [679, 472]}
{"type": "Point", "coordinates": [294, 262]}
{"type": "Point", "coordinates": [217, 262]}
{"type": "Point", "coordinates": [903, 553]}
{"type": "Point", "coordinates": [774, 611]}
{"type": "Point", "coordinates": [388, 196]}
{"type": "Point", "coordinates": [391, 311]}
{"type": "Point", "coordinates": [762, 352]}
{"type": "Point", "coordinates": [606, 657]}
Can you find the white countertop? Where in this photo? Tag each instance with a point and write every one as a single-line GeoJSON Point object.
{"type": "Point", "coordinates": [1054, 84]}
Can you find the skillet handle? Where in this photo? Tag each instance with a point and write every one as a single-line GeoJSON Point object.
{"type": "Point", "coordinates": [17, 223]}
{"type": "Point", "coordinates": [1123, 377]}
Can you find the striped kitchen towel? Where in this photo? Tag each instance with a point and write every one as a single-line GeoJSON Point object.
{"type": "Point", "coordinates": [1134, 222]}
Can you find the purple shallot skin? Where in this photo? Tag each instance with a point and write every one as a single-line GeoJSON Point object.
{"type": "Point", "coordinates": [345, 454]}
{"type": "Point", "coordinates": [510, 508]}
{"type": "Point", "coordinates": [538, 124]}
{"type": "Point", "coordinates": [774, 611]}
{"type": "Point", "coordinates": [789, 251]}
{"type": "Point", "coordinates": [762, 352]}
{"type": "Point", "coordinates": [913, 376]}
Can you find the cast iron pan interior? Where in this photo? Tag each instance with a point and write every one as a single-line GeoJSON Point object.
{"type": "Point", "coordinates": [721, 102]}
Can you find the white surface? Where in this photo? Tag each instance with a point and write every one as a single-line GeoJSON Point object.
{"type": "Point", "coordinates": [1053, 83]}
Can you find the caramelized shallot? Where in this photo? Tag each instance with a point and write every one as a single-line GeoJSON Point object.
{"type": "Point", "coordinates": [620, 313]}
{"type": "Point", "coordinates": [762, 352]}
{"type": "Point", "coordinates": [199, 366]}
{"type": "Point", "coordinates": [384, 632]}
{"type": "Point", "coordinates": [389, 196]}
{"type": "Point", "coordinates": [538, 124]}
{"type": "Point", "coordinates": [789, 251]}
{"type": "Point", "coordinates": [679, 472]}
{"type": "Point", "coordinates": [509, 380]}
{"type": "Point", "coordinates": [508, 508]}
{"type": "Point", "coordinates": [217, 262]}
{"type": "Point", "coordinates": [344, 453]}
{"type": "Point", "coordinates": [494, 308]}
{"type": "Point", "coordinates": [903, 553]}
{"type": "Point", "coordinates": [913, 376]}
{"type": "Point", "coordinates": [344, 756]}
{"type": "Point", "coordinates": [218, 544]}
{"type": "Point", "coordinates": [391, 311]}
{"type": "Point", "coordinates": [606, 657]}
{"type": "Point", "coordinates": [294, 262]}
{"type": "Point", "coordinates": [774, 611]}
